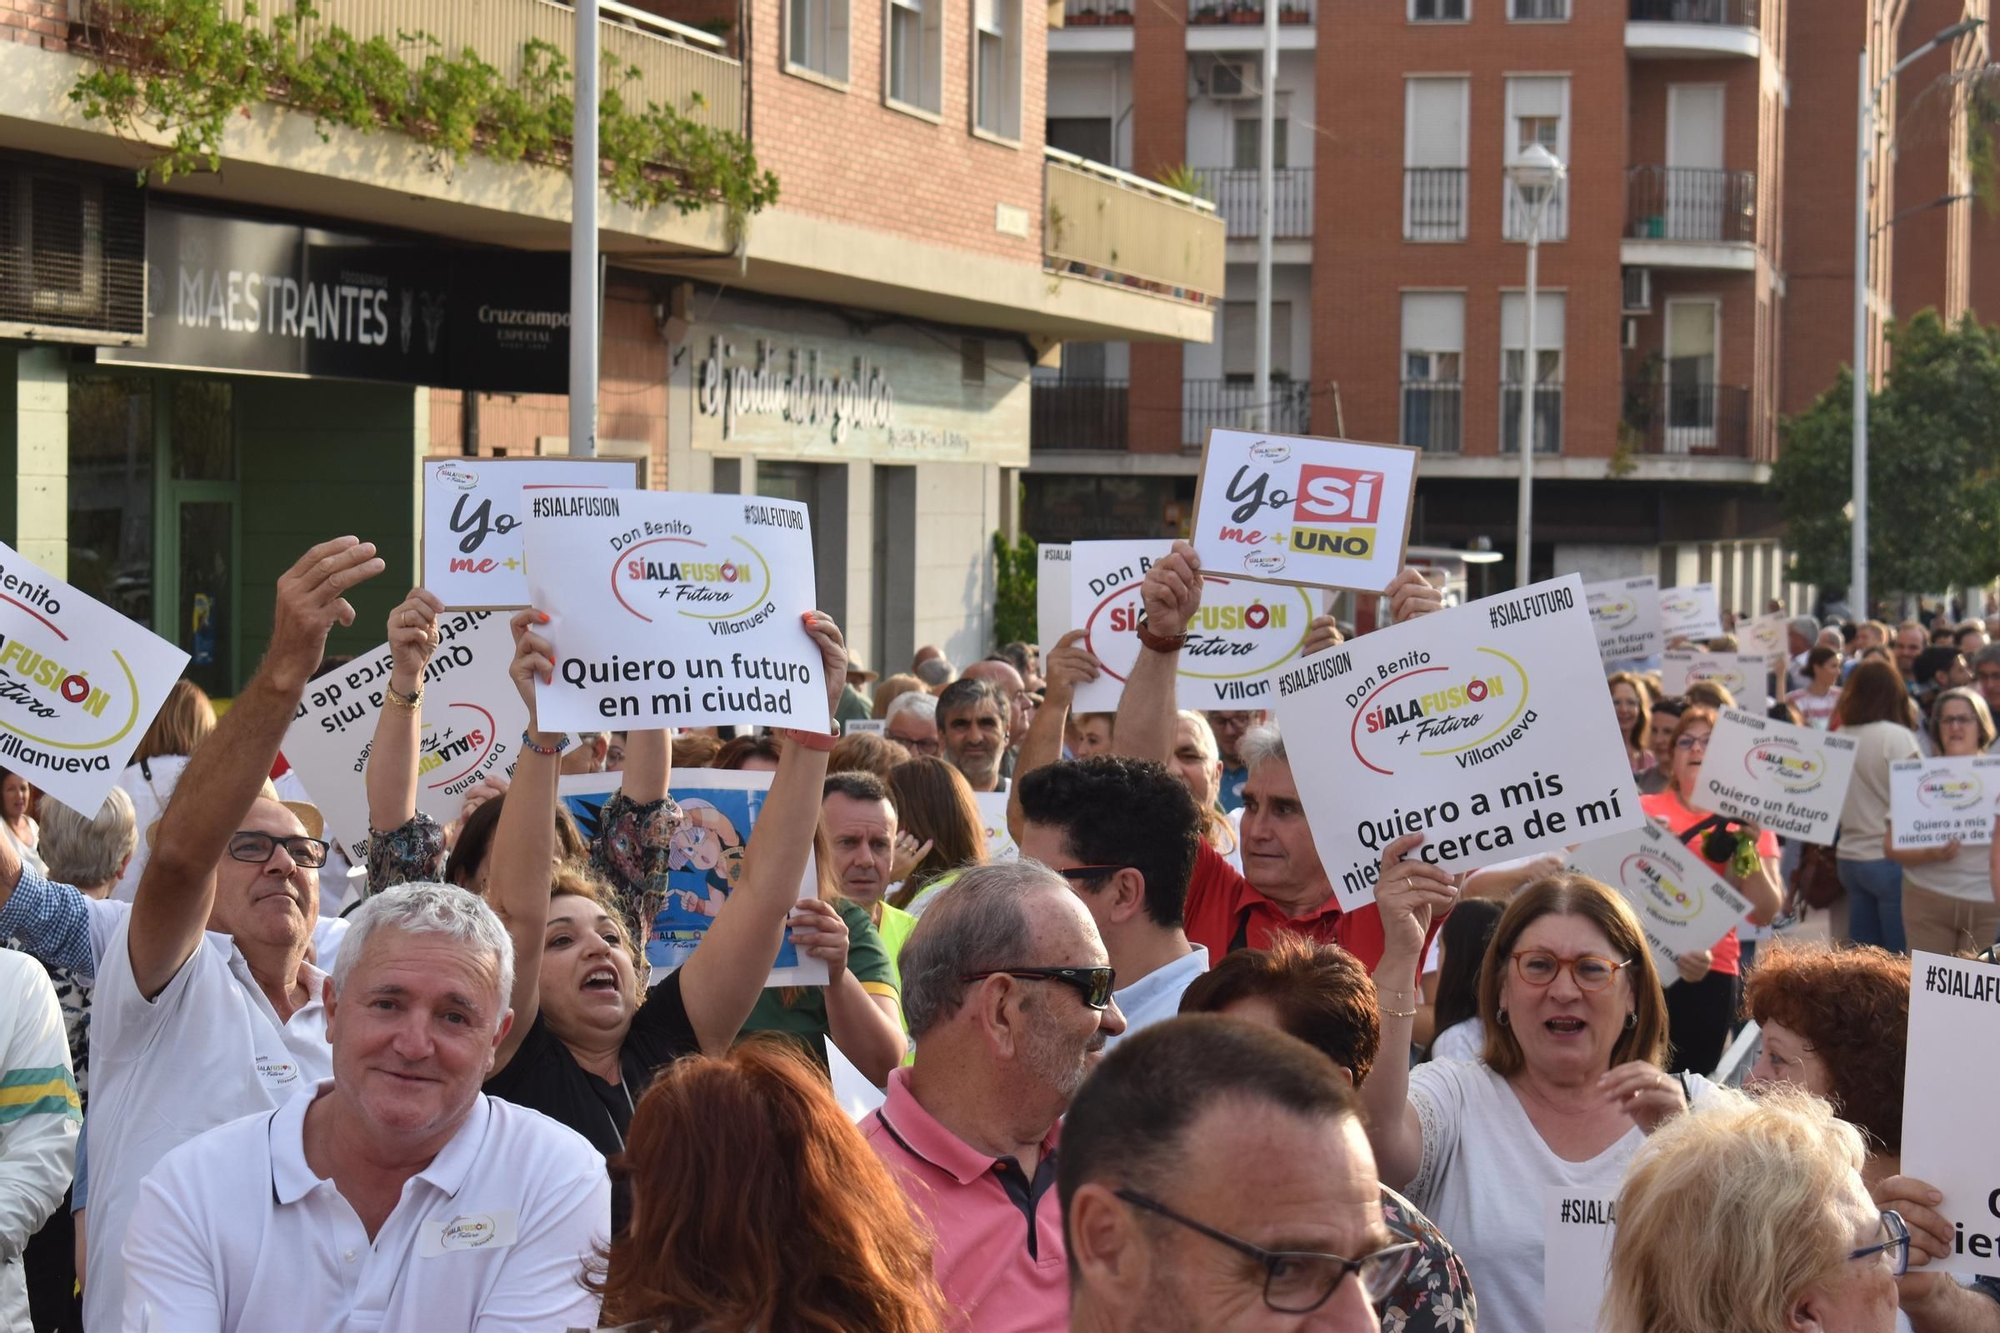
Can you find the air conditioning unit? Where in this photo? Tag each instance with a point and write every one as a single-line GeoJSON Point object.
{"type": "Point", "coordinates": [1231, 81]}
{"type": "Point", "coordinates": [72, 251]}
{"type": "Point", "coordinates": [1638, 291]}
{"type": "Point", "coordinates": [60, 223]}
{"type": "Point", "coordinates": [1631, 343]}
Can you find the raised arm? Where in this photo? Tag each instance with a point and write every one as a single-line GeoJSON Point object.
{"type": "Point", "coordinates": [1409, 894]}
{"type": "Point", "coordinates": [649, 766]}
{"type": "Point", "coordinates": [223, 776]}
{"type": "Point", "coordinates": [524, 845]}
{"type": "Point", "coordinates": [1069, 665]}
{"type": "Point", "coordinates": [721, 981]}
{"type": "Point", "coordinates": [1148, 710]}
{"type": "Point", "coordinates": [392, 758]}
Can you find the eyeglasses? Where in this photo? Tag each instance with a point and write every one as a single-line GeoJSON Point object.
{"type": "Point", "coordinates": [1094, 984]}
{"type": "Point", "coordinates": [929, 747]}
{"type": "Point", "coordinates": [1691, 743]}
{"type": "Point", "coordinates": [1539, 968]}
{"type": "Point", "coordinates": [1297, 1281]}
{"type": "Point", "coordinates": [1899, 1241]}
{"type": "Point", "coordinates": [258, 849]}
{"type": "Point", "coordinates": [1090, 872]}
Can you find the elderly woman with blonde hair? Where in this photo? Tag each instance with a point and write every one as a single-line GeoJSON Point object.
{"type": "Point", "coordinates": [1749, 1214]}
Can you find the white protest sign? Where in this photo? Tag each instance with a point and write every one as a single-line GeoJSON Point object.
{"type": "Point", "coordinates": [1949, 1090]}
{"type": "Point", "coordinates": [1936, 801]}
{"type": "Point", "coordinates": [878, 725]}
{"type": "Point", "coordinates": [79, 684]}
{"type": "Point", "coordinates": [1768, 637]}
{"type": "Point", "coordinates": [472, 722]}
{"type": "Point", "coordinates": [1690, 613]}
{"type": "Point", "coordinates": [1791, 780]}
{"type": "Point", "coordinates": [674, 610]}
{"type": "Point", "coordinates": [1051, 596]}
{"type": "Point", "coordinates": [1577, 1231]}
{"type": "Point", "coordinates": [1683, 905]}
{"type": "Point", "coordinates": [473, 509]}
{"type": "Point", "coordinates": [1304, 511]}
{"type": "Point", "coordinates": [1742, 674]}
{"type": "Point", "coordinates": [1462, 725]}
{"type": "Point", "coordinates": [1241, 634]}
{"type": "Point", "coordinates": [1000, 845]}
{"type": "Point", "coordinates": [1626, 615]}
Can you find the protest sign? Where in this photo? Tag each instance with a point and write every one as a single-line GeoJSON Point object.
{"type": "Point", "coordinates": [1690, 613]}
{"type": "Point", "coordinates": [1000, 845]}
{"type": "Point", "coordinates": [1683, 906]}
{"type": "Point", "coordinates": [673, 610]}
{"type": "Point", "coordinates": [1936, 801]}
{"type": "Point", "coordinates": [1768, 637]}
{"type": "Point", "coordinates": [1577, 1231]}
{"type": "Point", "coordinates": [1790, 780]}
{"type": "Point", "coordinates": [472, 520]}
{"type": "Point", "coordinates": [1742, 674]}
{"type": "Point", "coordinates": [1242, 633]}
{"type": "Point", "coordinates": [1303, 511]}
{"type": "Point", "coordinates": [79, 684]}
{"type": "Point", "coordinates": [704, 862]}
{"type": "Point", "coordinates": [1626, 615]}
{"type": "Point", "coordinates": [1468, 726]}
{"type": "Point", "coordinates": [472, 721]}
{"type": "Point", "coordinates": [1949, 1091]}
{"type": "Point", "coordinates": [1051, 596]}
{"type": "Point", "coordinates": [878, 725]}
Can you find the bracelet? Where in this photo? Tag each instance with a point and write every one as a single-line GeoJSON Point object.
{"type": "Point", "coordinates": [1159, 643]}
{"type": "Point", "coordinates": [392, 695]}
{"type": "Point", "coordinates": [812, 740]}
{"type": "Point", "coordinates": [1399, 1013]}
{"type": "Point", "coordinates": [528, 744]}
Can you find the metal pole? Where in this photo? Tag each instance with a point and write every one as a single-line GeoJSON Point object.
{"type": "Point", "coordinates": [1525, 515]}
{"type": "Point", "coordinates": [583, 241]}
{"type": "Point", "coordinates": [1267, 121]}
{"type": "Point", "coordinates": [1857, 593]}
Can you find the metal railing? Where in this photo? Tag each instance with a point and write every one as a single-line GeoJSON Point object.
{"type": "Point", "coordinates": [1687, 417]}
{"type": "Point", "coordinates": [1433, 203]}
{"type": "Point", "coordinates": [1548, 418]}
{"type": "Point", "coordinates": [1092, 13]}
{"type": "Point", "coordinates": [1434, 415]}
{"type": "Point", "coordinates": [1110, 225]}
{"type": "Point", "coordinates": [1717, 13]}
{"type": "Point", "coordinates": [1538, 9]}
{"type": "Point", "coordinates": [1232, 403]}
{"type": "Point", "coordinates": [1690, 204]}
{"type": "Point", "coordinates": [1240, 12]}
{"type": "Point", "coordinates": [1077, 414]}
{"type": "Point", "coordinates": [1235, 192]}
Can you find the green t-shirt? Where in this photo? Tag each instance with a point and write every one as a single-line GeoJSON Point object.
{"type": "Point", "coordinates": [804, 1019]}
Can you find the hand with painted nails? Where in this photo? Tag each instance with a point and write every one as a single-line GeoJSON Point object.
{"type": "Point", "coordinates": [534, 660]}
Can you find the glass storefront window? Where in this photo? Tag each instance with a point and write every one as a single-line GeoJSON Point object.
{"type": "Point", "coordinates": [204, 444]}
{"type": "Point", "coordinates": [111, 491]}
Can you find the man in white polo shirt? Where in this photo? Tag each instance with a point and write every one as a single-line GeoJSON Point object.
{"type": "Point", "coordinates": [397, 1195]}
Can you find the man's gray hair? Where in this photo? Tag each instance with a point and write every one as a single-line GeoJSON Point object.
{"type": "Point", "coordinates": [979, 923]}
{"type": "Point", "coordinates": [1805, 627]}
{"type": "Point", "coordinates": [936, 672]}
{"type": "Point", "coordinates": [912, 701]}
{"type": "Point", "coordinates": [429, 909]}
{"type": "Point", "coordinates": [1990, 653]}
{"type": "Point", "coordinates": [1260, 743]}
{"type": "Point", "coordinates": [88, 852]}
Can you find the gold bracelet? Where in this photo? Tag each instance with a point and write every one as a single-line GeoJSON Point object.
{"type": "Point", "coordinates": [392, 695]}
{"type": "Point", "coordinates": [1399, 1013]}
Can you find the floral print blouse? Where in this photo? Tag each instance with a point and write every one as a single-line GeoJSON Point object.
{"type": "Point", "coordinates": [1435, 1295]}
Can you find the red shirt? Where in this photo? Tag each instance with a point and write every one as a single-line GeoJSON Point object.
{"type": "Point", "coordinates": [1666, 807]}
{"type": "Point", "coordinates": [1225, 914]}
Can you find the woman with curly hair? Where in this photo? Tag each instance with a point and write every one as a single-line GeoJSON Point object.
{"type": "Point", "coordinates": [756, 1204]}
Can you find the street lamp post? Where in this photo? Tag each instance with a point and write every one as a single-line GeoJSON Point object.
{"type": "Point", "coordinates": [1857, 592]}
{"type": "Point", "coordinates": [1537, 175]}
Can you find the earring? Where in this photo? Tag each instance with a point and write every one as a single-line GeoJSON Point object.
{"type": "Point", "coordinates": [1502, 1016]}
{"type": "Point", "coordinates": [1631, 1020]}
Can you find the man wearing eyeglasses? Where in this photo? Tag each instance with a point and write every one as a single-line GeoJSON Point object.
{"type": "Point", "coordinates": [204, 1008]}
{"type": "Point", "coordinates": [1215, 1175]}
{"type": "Point", "coordinates": [1007, 993]}
{"type": "Point", "coordinates": [912, 723]}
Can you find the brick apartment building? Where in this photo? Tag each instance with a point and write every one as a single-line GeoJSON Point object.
{"type": "Point", "coordinates": [1695, 277]}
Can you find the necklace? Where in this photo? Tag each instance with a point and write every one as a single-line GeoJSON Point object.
{"type": "Point", "coordinates": [630, 1110]}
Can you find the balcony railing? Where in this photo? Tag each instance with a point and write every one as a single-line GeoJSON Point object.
{"type": "Point", "coordinates": [1235, 192]}
{"type": "Point", "coordinates": [1690, 204]}
{"type": "Point", "coordinates": [1687, 417]}
{"type": "Point", "coordinates": [1246, 12]}
{"type": "Point", "coordinates": [1115, 227]}
{"type": "Point", "coordinates": [1548, 418]}
{"type": "Point", "coordinates": [1095, 13]}
{"type": "Point", "coordinates": [1077, 414]}
{"type": "Point", "coordinates": [1434, 415]}
{"type": "Point", "coordinates": [1716, 13]}
{"type": "Point", "coordinates": [1230, 403]}
{"type": "Point", "coordinates": [1538, 9]}
{"type": "Point", "coordinates": [1433, 203]}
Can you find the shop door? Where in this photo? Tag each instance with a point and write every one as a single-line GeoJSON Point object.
{"type": "Point", "coordinates": [198, 607]}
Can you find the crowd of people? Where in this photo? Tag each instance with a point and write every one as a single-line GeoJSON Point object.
{"type": "Point", "coordinates": [1142, 1075]}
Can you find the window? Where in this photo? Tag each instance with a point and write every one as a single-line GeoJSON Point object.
{"type": "Point", "coordinates": [1542, 10]}
{"type": "Point", "coordinates": [915, 54]}
{"type": "Point", "coordinates": [996, 69]}
{"type": "Point", "coordinates": [1439, 11]}
{"type": "Point", "coordinates": [1692, 335]}
{"type": "Point", "coordinates": [1433, 369]}
{"type": "Point", "coordinates": [1434, 120]}
{"type": "Point", "coordinates": [1239, 341]}
{"type": "Point", "coordinates": [1537, 113]}
{"type": "Point", "coordinates": [816, 38]}
{"type": "Point", "coordinates": [1248, 135]}
{"type": "Point", "coordinates": [1549, 310]}
{"type": "Point", "coordinates": [1086, 136]}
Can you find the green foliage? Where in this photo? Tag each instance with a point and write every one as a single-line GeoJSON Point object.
{"type": "Point", "coordinates": [1933, 467]}
{"type": "Point", "coordinates": [1014, 579]}
{"type": "Point", "coordinates": [1185, 179]}
{"type": "Point", "coordinates": [185, 69]}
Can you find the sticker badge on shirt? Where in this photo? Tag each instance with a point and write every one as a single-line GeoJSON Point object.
{"type": "Point", "coordinates": [277, 1071]}
{"type": "Point", "coordinates": [494, 1230]}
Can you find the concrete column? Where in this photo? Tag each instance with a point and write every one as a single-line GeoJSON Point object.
{"type": "Point", "coordinates": [34, 405]}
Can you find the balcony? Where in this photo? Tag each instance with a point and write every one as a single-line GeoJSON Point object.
{"type": "Point", "coordinates": [1235, 192]}
{"type": "Point", "coordinates": [1110, 226]}
{"type": "Point", "coordinates": [1247, 13]}
{"type": "Point", "coordinates": [1078, 414]}
{"type": "Point", "coordinates": [1548, 418]}
{"type": "Point", "coordinates": [1694, 29]}
{"type": "Point", "coordinates": [1686, 217]}
{"type": "Point", "coordinates": [1229, 404]}
{"type": "Point", "coordinates": [1689, 419]}
{"type": "Point", "coordinates": [1434, 415]}
{"type": "Point", "coordinates": [1433, 203]}
{"type": "Point", "coordinates": [1097, 13]}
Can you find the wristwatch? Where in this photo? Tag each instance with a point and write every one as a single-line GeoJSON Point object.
{"type": "Point", "coordinates": [1160, 643]}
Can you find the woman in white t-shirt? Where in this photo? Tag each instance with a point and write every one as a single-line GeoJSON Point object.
{"type": "Point", "coordinates": [1948, 904]}
{"type": "Point", "coordinates": [1821, 694]}
{"type": "Point", "coordinates": [1569, 1086]}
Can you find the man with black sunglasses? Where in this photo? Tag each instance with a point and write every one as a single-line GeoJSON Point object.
{"type": "Point", "coordinates": [204, 1008]}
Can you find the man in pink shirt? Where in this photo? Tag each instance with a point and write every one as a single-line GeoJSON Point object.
{"type": "Point", "coordinates": [1007, 991]}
